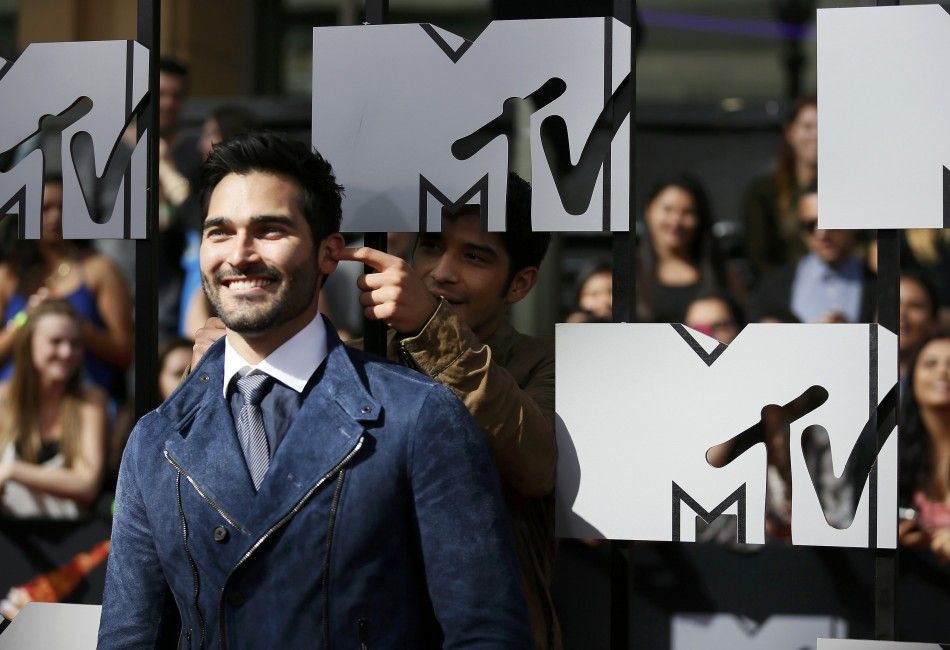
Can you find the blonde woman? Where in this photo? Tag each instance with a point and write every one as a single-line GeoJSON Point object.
{"type": "Point", "coordinates": [52, 425]}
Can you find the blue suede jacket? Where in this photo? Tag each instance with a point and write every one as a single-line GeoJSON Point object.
{"type": "Point", "coordinates": [380, 523]}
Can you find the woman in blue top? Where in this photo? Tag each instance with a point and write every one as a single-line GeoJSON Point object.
{"type": "Point", "coordinates": [54, 268]}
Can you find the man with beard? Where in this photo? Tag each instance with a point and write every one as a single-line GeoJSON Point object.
{"type": "Point", "coordinates": [293, 492]}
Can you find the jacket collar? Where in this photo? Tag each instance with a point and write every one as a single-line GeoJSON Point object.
{"type": "Point", "coordinates": [203, 440]}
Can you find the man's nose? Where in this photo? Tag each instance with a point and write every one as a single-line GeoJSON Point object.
{"type": "Point", "coordinates": [445, 270]}
{"type": "Point", "coordinates": [243, 251]}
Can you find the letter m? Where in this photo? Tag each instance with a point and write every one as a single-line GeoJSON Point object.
{"type": "Point", "coordinates": [680, 496]}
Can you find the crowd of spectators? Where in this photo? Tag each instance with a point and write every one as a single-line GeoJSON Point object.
{"type": "Point", "coordinates": [66, 346]}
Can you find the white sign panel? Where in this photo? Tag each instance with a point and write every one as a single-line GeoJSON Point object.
{"type": "Point", "coordinates": [91, 92]}
{"type": "Point", "coordinates": [414, 118]}
{"type": "Point", "coordinates": [639, 406]}
{"type": "Point", "coordinates": [53, 626]}
{"type": "Point", "coordinates": [884, 135]}
{"type": "Point", "coordinates": [731, 632]}
{"type": "Point", "coordinates": [845, 644]}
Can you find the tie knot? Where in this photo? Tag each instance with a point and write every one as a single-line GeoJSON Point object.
{"type": "Point", "coordinates": [253, 387]}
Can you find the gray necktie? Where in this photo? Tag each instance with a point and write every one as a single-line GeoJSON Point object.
{"type": "Point", "coordinates": [250, 426]}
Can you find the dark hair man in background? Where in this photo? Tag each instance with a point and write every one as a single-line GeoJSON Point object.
{"type": "Point", "coordinates": [448, 315]}
{"type": "Point", "coordinates": [831, 284]}
{"type": "Point", "coordinates": [283, 443]}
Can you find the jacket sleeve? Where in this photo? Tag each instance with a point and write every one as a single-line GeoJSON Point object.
{"type": "Point", "coordinates": [518, 421]}
{"type": "Point", "coordinates": [136, 601]}
{"type": "Point", "coordinates": [467, 546]}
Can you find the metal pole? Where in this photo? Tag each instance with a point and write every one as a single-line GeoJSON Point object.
{"type": "Point", "coordinates": [374, 331]}
{"type": "Point", "coordinates": [146, 293]}
{"type": "Point", "coordinates": [888, 294]}
{"type": "Point", "coordinates": [624, 245]}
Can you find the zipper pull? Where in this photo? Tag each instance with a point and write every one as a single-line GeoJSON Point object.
{"type": "Point", "coordinates": [406, 357]}
{"type": "Point", "coordinates": [363, 631]}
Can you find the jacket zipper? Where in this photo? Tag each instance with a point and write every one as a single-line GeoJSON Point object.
{"type": "Point", "coordinates": [362, 630]}
{"type": "Point", "coordinates": [211, 502]}
{"type": "Point", "coordinates": [270, 531]}
{"type": "Point", "coordinates": [406, 357]}
{"type": "Point", "coordinates": [326, 560]}
{"type": "Point", "coordinates": [191, 561]}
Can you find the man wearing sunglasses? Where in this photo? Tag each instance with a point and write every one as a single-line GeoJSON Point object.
{"type": "Point", "coordinates": [830, 284]}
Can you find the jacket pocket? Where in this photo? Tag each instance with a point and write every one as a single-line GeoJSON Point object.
{"type": "Point", "coordinates": [362, 632]}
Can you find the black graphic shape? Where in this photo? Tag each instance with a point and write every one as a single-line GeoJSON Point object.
{"type": "Point", "coordinates": [863, 455]}
{"type": "Point", "coordinates": [450, 52]}
{"type": "Point", "coordinates": [946, 190]}
{"type": "Point", "coordinates": [575, 183]}
{"type": "Point", "coordinates": [426, 189]}
{"type": "Point", "coordinates": [466, 147]}
{"type": "Point", "coordinates": [48, 138]}
{"type": "Point", "coordinates": [774, 420]}
{"type": "Point", "coordinates": [708, 357]}
{"type": "Point", "coordinates": [773, 430]}
{"type": "Point", "coordinates": [738, 497]}
{"type": "Point", "coordinates": [17, 201]}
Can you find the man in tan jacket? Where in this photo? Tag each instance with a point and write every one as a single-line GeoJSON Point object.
{"type": "Point", "coordinates": [447, 312]}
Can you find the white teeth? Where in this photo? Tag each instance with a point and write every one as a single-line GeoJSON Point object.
{"type": "Point", "coordinates": [241, 285]}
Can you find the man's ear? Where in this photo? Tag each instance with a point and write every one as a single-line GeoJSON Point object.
{"type": "Point", "coordinates": [329, 251]}
{"type": "Point", "coordinates": [521, 284]}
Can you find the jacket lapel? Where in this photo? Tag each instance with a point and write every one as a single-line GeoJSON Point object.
{"type": "Point", "coordinates": [205, 445]}
{"type": "Point", "coordinates": [326, 430]}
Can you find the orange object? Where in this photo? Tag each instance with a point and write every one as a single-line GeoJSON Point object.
{"type": "Point", "coordinates": [55, 585]}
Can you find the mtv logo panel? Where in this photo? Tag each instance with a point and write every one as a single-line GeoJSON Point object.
{"type": "Point", "coordinates": [665, 434]}
{"type": "Point", "coordinates": [884, 149]}
{"type": "Point", "coordinates": [74, 121]}
{"type": "Point", "coordinates": [414, 119]}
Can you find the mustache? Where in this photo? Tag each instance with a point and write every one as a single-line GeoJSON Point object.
{"type": "Point", "coordinates": [257, 270]}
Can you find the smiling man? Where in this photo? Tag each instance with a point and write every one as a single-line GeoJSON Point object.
{"type": "Point", "coordinates": [292, 492]}
{"type": "Point", "coordinates": [448, 314]}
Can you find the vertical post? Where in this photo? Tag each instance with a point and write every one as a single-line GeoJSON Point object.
{"type": "Point", "coordinates": [374, 331]}
{"type": "Point", "coordinates": [888, 293]}
{"type": "Point", "coordinates": [146, 293]}
{"type": "Point", "coordinates": [885, 559]}
{"type": "Point", "coordinates": [624, 246]}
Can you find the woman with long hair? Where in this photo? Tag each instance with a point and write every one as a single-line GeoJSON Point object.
{"type": "Point", "coordinates": [52, 424]}
{"type": "Point", "coordinates": [924, 479]}
{"type": "Point", "coordinates": [769, 215]}
{"type": "Point", "coordinates": [678, 254]}
{"type": "Point", "coordinates": [56, 268]}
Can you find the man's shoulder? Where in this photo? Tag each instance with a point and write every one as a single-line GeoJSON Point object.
{"type": "Point", "coordinates": [380, 368]}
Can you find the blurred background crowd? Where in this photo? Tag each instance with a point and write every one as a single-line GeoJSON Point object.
{"type": "Point", "coordinates": [726, 180]}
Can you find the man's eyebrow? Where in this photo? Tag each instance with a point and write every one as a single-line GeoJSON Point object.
{"type": "Point", "coordinates": [212, 222]}
{"type": "Point", "coordinates": [483, 248]}
{"type": "Point", "coordinates": [272, 218]}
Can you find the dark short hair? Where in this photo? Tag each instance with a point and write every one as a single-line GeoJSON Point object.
{"type": "Point", "coordinates": [272, 153]}
{"type": "Point", "coordinates": [173, 67]}
{"type": "Point", "coordinates": [525, 247]}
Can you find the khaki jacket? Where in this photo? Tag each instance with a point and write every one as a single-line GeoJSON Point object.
{"type": "Point", "coordinates": [507, 384]}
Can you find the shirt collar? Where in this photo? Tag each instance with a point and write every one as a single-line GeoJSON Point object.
{"type": "Point", "coordinates": [849, 268]}
{"type": "Point", "coordinates": [292, 364]}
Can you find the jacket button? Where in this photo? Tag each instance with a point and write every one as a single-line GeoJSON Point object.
{"type": "Point", "coordinates": [235, 598]}
{"type": "Point", "coordinates": [365, 409]}
{"type": "Point", "coordinates": [220, 534]}
{"type": "Point", "coordinates": [204, 377]}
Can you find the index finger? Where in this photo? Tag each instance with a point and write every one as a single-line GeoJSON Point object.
{"type": "Point", "coordinates": [378, 260]}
